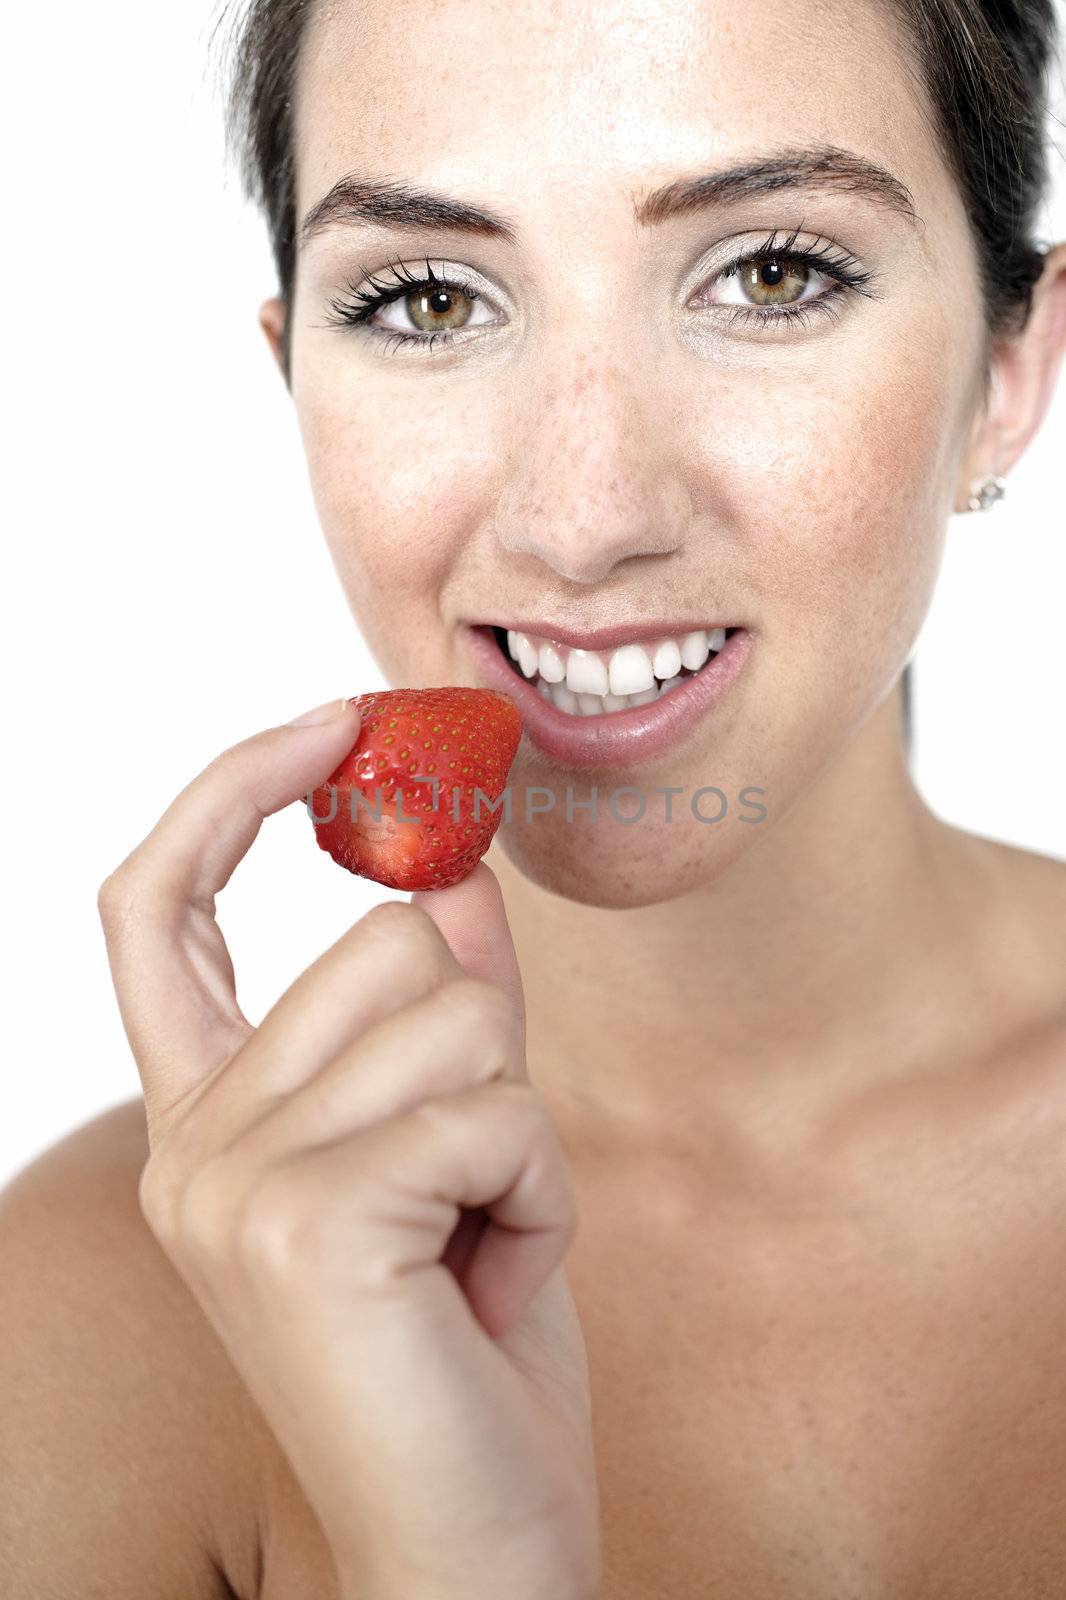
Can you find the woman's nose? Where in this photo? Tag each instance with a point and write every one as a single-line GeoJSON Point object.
{"type": "Point", "coordinates": [589, 481]}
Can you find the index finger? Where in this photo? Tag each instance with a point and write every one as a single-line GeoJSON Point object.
{"type": "Point", "coordinates": [172, 972]}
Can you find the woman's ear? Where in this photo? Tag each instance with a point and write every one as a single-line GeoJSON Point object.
{"type": "Point", "coordinates": [1022, 374]}
{"type": "Point", "coordinates": [272, 317]}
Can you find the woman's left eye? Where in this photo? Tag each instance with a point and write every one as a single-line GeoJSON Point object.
{"type": "Point", "coordinates": [777, 282]}
{"type": "Point", "coordinates": [771, 286]}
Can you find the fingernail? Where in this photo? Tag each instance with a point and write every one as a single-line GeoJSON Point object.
{"type": "Point", "coordinates": [327, 713]}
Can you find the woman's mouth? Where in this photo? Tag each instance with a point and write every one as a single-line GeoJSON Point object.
{"type": "Point", "coordinates": [614, 705]}
{"type": "Point", "coordinates": [592, 683]}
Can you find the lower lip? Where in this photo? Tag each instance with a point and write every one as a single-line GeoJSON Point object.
{"type": "Point", "coordinates": [615, 738]}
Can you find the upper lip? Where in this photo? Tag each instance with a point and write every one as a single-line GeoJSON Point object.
{"type": "Point", "coordinates": [606, 638]}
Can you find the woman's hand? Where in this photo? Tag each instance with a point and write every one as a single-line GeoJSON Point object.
{"type": "Point", "coordinates": [369, 1200]}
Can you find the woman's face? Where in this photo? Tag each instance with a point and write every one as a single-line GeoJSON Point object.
{"type": "Point", "coordinates": [619, 435]}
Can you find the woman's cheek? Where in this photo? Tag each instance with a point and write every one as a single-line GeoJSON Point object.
{"type": "Point", "coordinates": [389, 488]}
{"type": "Point", "coordinates": [852, 512]}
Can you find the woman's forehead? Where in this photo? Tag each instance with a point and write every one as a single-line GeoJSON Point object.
{"type": "Point", "coordinates": [591, 98]}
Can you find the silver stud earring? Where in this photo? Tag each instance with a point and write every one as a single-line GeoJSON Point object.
{"type": "Point", "coordinates": [986, 493]}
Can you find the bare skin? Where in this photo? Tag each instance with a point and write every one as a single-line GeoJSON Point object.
{"type": "Point", "coordinates": [833, 1369]}
{"type": "Point", "coordinates": [810, 1078]}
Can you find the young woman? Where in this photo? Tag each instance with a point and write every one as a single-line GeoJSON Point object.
{"type": "Point", "coordinates": [676, 1207]}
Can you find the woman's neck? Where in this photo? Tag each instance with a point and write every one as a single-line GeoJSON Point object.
{"type": "Point", "coordinates": [852, 945]}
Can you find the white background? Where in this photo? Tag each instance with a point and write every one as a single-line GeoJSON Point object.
{"type": "Point", "coordinates": [170, 591]}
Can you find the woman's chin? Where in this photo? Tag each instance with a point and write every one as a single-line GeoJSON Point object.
{"type": "Point", "coordinates": [618, 866]}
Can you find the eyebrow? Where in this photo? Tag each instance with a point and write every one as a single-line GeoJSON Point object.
{"type": "Point", "coordinates": [353, 200]}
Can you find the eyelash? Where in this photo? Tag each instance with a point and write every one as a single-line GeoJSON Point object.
{"type": "Point", "coordinates": [841, 267]}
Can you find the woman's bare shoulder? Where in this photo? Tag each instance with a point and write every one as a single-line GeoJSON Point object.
{"type": "Point", "coordinates": [1037, 887]}
{"type": "Point", "coordinates": [131, 1449]}
{"type": "Point", "coordinates": [1018, 905]}
{"type": "Point", "coordinates": [1043, 875]}
{"type": "Point", "coordinates": [1025, 890]}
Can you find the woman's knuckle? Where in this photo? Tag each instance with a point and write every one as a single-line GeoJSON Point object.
{"type": "Point", "coordinates": [485, 1002]}
{"type": "Point", "coordinates": [410, 929]}
{"type": "Point", "coordinates": [565, 1219]}
{"type": "Point", "coordinates": [384, 916]}
{"type": "Point", "coordinates": [456, 1003]}
{"type": "Point", "coordinates": [265, 1224]}
{"type": "Point", "coordinates": [548, 1159]}
{"type": "Point", "coordinates": [483, 1009]}
{"type": "Point", "coordinates": [116, 896]}
{"type": "Point", "coordinates": [230, 762]}
{"type": "Point", "coordinates": [452, 1124]}
{"type": "Point", "coordinates": [157, 1195]}
{"type": "Point", "coordinates": [526, 1105]}
{"type": "Point", "coordinates": [436, 1114]}
{"type": "Point", "coordinates": [389, 919]}
{"type": "Point", "coordinates": [201, 1212]}
{"type": "Point", "coordinates": [519, 1098]}
{"type": "Point", "coordinates": [280, 1230]}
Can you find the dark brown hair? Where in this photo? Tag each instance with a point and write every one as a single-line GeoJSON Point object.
{"type": "Point", "coordinates": [984, 66]}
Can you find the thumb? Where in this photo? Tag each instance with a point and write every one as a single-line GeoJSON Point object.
{"type": "Point", "coordinates": [472, 917]}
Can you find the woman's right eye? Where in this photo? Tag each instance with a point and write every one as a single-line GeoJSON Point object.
{"type": "Point", "coordinates": [438, 307]}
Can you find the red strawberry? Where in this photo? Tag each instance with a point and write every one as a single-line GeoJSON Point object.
{"type": "Point", "coordinates": [410, 834]}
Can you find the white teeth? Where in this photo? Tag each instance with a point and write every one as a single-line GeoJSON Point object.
{"type": "Point", "coordinates": [527, 655]}
{"type": "Point", "coordinates": [693, 650]}
{"type": "Point", "coordinates": [667, 659]}
{"type": "Point", "coordinates": [589, 683]}
{"type": "Point", "coordinates": [586, 673]}
{"type": "Point", "coordinates": [551, 665]}
{"type": "Point", "coordinates": [564, 698]}
{"type": "Point", "coordinates": [630, 670]}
